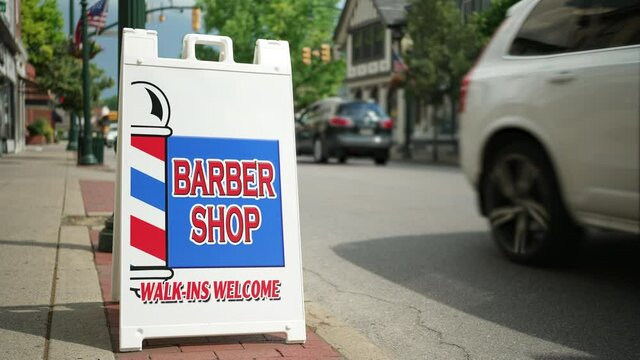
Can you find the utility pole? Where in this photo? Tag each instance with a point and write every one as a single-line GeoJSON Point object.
{"type": "Point", "coordinates": [88, 158]}
{"type": "Point", "coordinates": [73, 127]}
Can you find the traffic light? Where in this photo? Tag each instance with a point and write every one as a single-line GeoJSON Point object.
{"type": "Point", "coordinates": [195, 19]}
{"type": "Point", "coordinates": [306, 55]}
{"type": "Point", "coordinates": [325, 53]}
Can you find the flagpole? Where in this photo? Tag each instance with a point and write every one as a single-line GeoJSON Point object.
{"type": "Point", "coordinates": [88, 158]}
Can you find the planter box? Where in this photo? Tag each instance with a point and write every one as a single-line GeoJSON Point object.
{"type": "Point", "coordinates": [36, 140]}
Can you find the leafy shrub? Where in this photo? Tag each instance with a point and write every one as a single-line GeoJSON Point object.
{"type": "Point", "coordinates": [41, 127]}
{"type": "Point", "coordinates": [61, 134]}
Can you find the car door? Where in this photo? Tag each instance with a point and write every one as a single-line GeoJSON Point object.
{"type": "Point", "coordinates": [587, 68]}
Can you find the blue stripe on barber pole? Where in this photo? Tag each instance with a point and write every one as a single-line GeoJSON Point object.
{"type": "Point", "coordinates": [147, 189]}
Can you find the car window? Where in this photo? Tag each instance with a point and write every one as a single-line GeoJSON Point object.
{"type": "Point", "coordinates": [361, 110]}
{"type": "Point", "coordinates": [304, 118]}
{"type": "Point", "coordinates": [308, 115]}
{"type": "Point", "coordinates": [559, 26]}
{"type": "Point", "coordinates": [610, 23]}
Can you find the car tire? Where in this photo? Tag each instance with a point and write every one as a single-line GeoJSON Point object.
{"type": "Point", "coordinates": [381, 159]}
{"type": "Point", "coordinates": [522, 200]}
{"type": "Point", "coordinates": [319, 151]}
{"type": "Point", "coordinates": [342, 159]}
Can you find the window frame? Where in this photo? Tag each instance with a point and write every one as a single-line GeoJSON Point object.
{"type": "Point", "coordinates": [365, 45]}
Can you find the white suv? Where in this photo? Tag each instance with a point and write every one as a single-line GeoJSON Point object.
{"type": "Point", "coordinates": [549, 124]}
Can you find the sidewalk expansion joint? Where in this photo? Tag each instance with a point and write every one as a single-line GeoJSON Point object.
{"type": "Point", "coordinates": [52, 298]}
{"type": "Point", "coordinates": [91, 221]}
{"type": "Point", "coordinates": [419, 313]}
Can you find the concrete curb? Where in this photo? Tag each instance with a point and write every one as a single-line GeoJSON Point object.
{"type": "Point", "coordinates": [345, 339]}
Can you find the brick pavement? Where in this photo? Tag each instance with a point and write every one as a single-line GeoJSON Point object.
{"type": "Point", "coordinates": [98, 197]}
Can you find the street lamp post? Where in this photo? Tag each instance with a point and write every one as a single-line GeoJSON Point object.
{"type": "Point", "coordinates": [73, 128]}
{"type": "Point", "coordinates": [131, 13]}
{"type": "Point", "coordinates": [396, 37]}
{"type": "Point", "coordinates": [88, 158]}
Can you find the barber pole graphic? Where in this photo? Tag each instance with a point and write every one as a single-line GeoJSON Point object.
{"type": "Point", "coordinates": [147, 159]}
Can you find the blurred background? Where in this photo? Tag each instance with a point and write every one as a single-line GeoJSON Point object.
{"type": "Point", "coordinates": [468, 170]}
{"type": "Point", "coordinates": [329, 57]}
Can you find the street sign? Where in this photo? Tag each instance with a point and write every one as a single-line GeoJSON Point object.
{"type": "Point", "coordinates": [207, 224]}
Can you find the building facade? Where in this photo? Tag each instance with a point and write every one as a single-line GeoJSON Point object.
{"type": "Point", "coordinates": [13, 60]}
{"type": "Point", "coordinates": [371, 36]}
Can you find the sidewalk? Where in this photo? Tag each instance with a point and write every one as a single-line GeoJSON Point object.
{"type": "Point", "coordinates": [422, 154]}
{"type": "Point", "coordinates": [53, 303]}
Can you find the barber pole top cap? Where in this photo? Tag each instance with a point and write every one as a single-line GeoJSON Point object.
{"type": "Point", "coordinates": [153, 120]}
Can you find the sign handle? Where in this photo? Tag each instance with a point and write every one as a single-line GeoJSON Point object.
{"type": "Point", "coordinates": [224, 42]}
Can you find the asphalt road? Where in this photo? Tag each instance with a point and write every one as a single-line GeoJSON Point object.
{"type": "Point", "coordinates": [400, 254]}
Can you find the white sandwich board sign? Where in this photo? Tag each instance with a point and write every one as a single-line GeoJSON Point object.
{"type": "Point", "coordinates": [207, 223]}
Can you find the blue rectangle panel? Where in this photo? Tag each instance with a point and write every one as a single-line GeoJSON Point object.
{"type": "Point", "coordinates": [267, 244]}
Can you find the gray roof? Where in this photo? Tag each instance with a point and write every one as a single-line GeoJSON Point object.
{"type": "Point", "coordinates": [393, 11]}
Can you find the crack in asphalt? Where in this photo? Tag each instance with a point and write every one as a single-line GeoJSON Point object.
{"type": "Point", "coordinates": [419, 318]}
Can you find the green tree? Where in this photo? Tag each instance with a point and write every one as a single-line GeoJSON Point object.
{"type": "Point", "coordinates": [63, 77]}
{"type": "Point", "coordinates": [302, 23]}
{"type": "Point", "coordinates": [48, 49]}
{"type": "Point", "coordinates": [41, 30]}
{"type": "Point", "coordinates": [488, 21]}
{"type": "Point", "coordinates": [111, 102]}
{"type": "Point", "coordinates": [443, 49]}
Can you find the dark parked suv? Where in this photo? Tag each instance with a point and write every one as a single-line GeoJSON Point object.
{"type": "Point", "coordinates": [337, 128]}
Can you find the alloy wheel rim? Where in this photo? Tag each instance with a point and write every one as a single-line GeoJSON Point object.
{"type": "Point", "coordinates": [517, 214]}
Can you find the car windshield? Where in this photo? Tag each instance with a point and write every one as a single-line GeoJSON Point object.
{"type": "Point", "coordinates": [361, 110]}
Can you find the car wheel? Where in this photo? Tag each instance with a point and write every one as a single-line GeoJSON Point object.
{"type": "Point", "coordinates": [319, 152]}
{"type": "Point", "coordinates": [342, 159]}
{"type": "Point", "coordinates": [527, 217]}
{"type": "Point", "coordinates": [381, 159]}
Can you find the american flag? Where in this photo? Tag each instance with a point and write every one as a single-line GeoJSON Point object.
{"type": "Point", "coordinates": [398, 63]}
{"type": "Point", "coordinates": [77, 36]}
{"type": "Point", "coordinates": [97, 14]}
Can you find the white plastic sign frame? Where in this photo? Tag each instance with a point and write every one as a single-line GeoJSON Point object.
{"type": "Point", "coordinates": [207, 222]}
